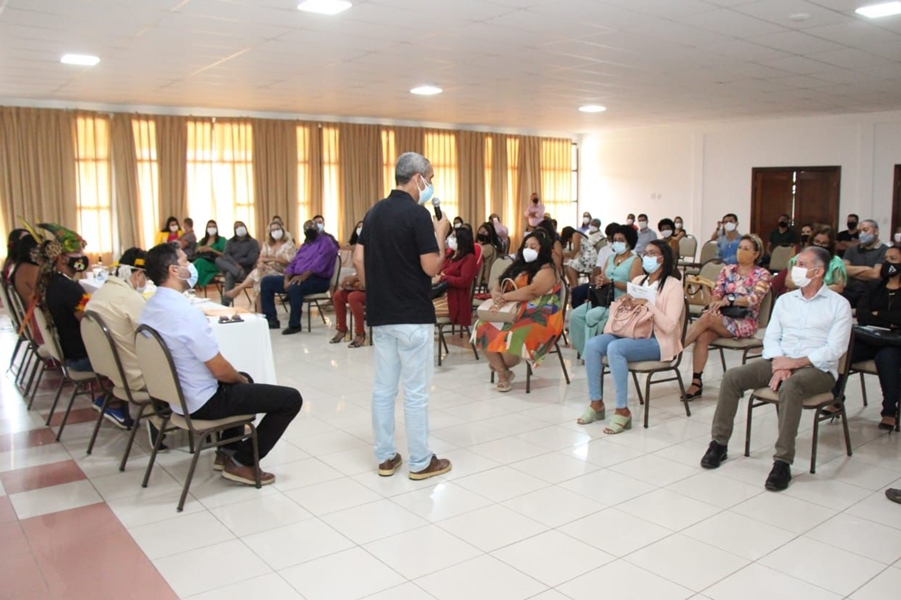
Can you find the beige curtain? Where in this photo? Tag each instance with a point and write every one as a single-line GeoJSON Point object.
{"type": "Point", "coordinates": [275, 173]}
{"type": "Point", "coordinates": [361, 174]}
{"type": "Point", "coordinates": [514, 217]}
{"type": "Point", "coordinates": [529, 169]}
{"type": "Point", "coordinates": [556, 188]}
{"type": "Point", "coordinates": [408, 139]}
{"type": "Point", "coordinates": [172, 152]}
{"type": "Point", "coordinates": [441, 150]}
{"type": "Point", "coordinates": [125, 175]}
{"type": "Point", "coordinates": [37, 167]}
{"type": "Point", "coordinates": [471, 176]}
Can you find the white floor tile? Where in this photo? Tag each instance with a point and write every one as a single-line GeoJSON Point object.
{"type": "Point", "coordinates": [713, 489]}
{"type": "Point", "coordinates": [260, 514]}
{"type": "Point", "coordinates": [23, 458]}
{"type": "Point", "coordinates": [555, 467]}
{"type": "Point", "coordinates": [607, 487]}
{"type": "Point", "coordinates": [739, 535]}
{"type": "Point", "coordinates": [492, 527]}
{"type": "Point", "coordinates": [123, 485]}
{"type": "Point", "coordinates": [347, 575]}
{"type": "Point", "coordinates": [655, 470]}
{"type": "Point", "coordinates": [422, 551]}
{"type": "Point", "coordinates": [669, 509]}
{"type": "Point", "coordinates": [508, 450]}
{"type": "Point", "coordinates": [43, 501]}
{"type": "Point", "coordinates": [878, 509]}
{"type": "Point", "coordinates": [152, 506]}
{"type": "Point", "coordinates": [482, 578]}
{"type": "Point", "coordinates": [293, 544]}
{"type": "Point", "coordinates": [552, 557]}
{"type": "Point", "coordinates": [442, 501]}
{"type": "Point", "coordinates": [501, 483]}
{"type": "Point", "coordinates": [553, 506]}
{"type": "Point", "coordinates": [180, 534]}
{"type": "Point", "coordinates": [206, 569]}
{"type": "Point", "coordinates": [373, 521]}
{"type": "Point", "coordinates": [271, 587]}
{"type": "Point", "coordinates": [406, 591]}
{"type": "Point", "coordinates": [310, 471]}
{"type": "Point", "coordinates": [882, 587]}
{"type": "Point", "coordinates": [621, 580]}
{"type": "Point", "coordinates": [823, 565]}
{"type": "Point", "coordinates": [332, 496]}
{"type": "Point", "coordinates": [686, 561]}
{"type": "Point", "coordinates": [616, 532]}
{"type": "Point", "coordinates": [603, 453]}
{"type": "Point", "coordinates": [466, 463]}
{"type": "Point", "coordinates": [784, 511]}
{"type": "Point", "coordinates": [756, 581]}
{"type": "Point", "coordinates": [860, 536]}
{"type": "Point", "coordinates": [830, 494]}
{"type": "Point", "coordinates": [555, 438]}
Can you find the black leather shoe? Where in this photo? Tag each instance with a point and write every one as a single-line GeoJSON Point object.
{"type": "Point", "coordinates": [715, 455]}
{"type": "Point", "coordinates": [274, 325]}
{"type": "Point", "coordinates": [779, 477]}
{"type": "Point", "coordinates": [893, 495]}
{"type": "Point", "coordinates": [291, 330]}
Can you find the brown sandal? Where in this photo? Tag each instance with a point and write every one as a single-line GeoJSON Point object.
{"type": "Point", "coordinates": [339, 337]}
{"type": "Point", "coordinates": [358, 341]}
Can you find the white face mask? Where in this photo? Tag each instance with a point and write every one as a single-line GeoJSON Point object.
{"type": "Point", "coordinates": [241, 231]}
{"type": "Point", "coordinates": [585, 220]}
{"type": "Point", "coordinates": [173, 228]}
{"type": "Point", "coordinates": [593, 229]}
{"type": "Point", "coordinates": [799, 276]}
{"type": "Point", "coordinates": [630, 221]}
{"type": "Point", "coordinates": [452, 243]}
{"type": "Point", "coordinates": [458, 225]}
{"type": "Point", "coordinates": [730, 227]}
{"type": "Point", "coordinates": [139, 288]}
{"type": "Point", "coordinates": [642, 224]}
{"type": "Point", "coordinates": [320, 227]}
{"type": "Point", "coordinates": [678, 225]}
{"type": "Point", "coordinates": [276, 234]}
{"type": "Point", "coordinates": [211, 231]}
{"type": "Point", "coordinates": [898, 238]}
{"type": "Point", "coordinates": [359, 231]}
{"type": "Point", "coordinates": [666, 233]}
{"type": "Point", "coordinates": [529, 255]}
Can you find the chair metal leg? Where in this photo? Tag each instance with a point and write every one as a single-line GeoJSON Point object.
{"type": "Point", "coordinates": [647, 399]}
{"type": "Point", "coordinates": [131, 439]}
{"type": "Point", "coordinates": [156, 448]}
{"type": "Point", "coordinates": [723, 359]}
{"type": "Point", "coordinates": [816, 435]}
{"type": "Point", "coordinates": [685, 402]}
{"type": "Point", "coordinates": [528, 377]}
{"type": "Point", "coordinates": [59, 391]}
{"type": "Point", "coordinates": [12, 359]}
{"type": "Point", "coordinates": [34, 390]}
{"type": "Point", "coordinates": [863, 388]}
{"type": "Point", "coordinates": [106, 398]}
{"type": "Point", "coordinates": [748, 427]}
{"type": "Point", "coordinates": [33, 367]}
{"type": "Point", "coordinates": [440, 338]}
{"type": "Point", "coordinates": [847, 430]}
{"type": "Point", "coordinates": [562, 363]}
{"type": "Point", "coordinates": [258, 471]}
{"type": "Point", "coordinates": [637, 387]}
{"type": "Point", "coordinates": [30, 354]}
{"type": "Point", "coordinates": [62, 424]}
{"type": "Point", "coordinates": [184, 491]}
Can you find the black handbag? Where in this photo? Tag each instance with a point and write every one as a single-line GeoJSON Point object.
{"type": "Point", "coordinates": [439, 289]}
{"type": "Point", "coordinates": [735, 312]}
{"type": "Point", "coordinates": [876, 336]}
{"type": "Point", "coordinates": [600, 296]}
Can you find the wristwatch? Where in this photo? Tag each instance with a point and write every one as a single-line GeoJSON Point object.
{"type": "Point", "coordinates": [731, 299]}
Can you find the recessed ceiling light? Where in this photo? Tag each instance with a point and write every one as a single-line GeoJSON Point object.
{"type": "Point", "coordinates": [875, 11]}
{"type": "Point", "coordinates": [324, 7]}
{"type": "Point", "coordinates": [84, 60]}
{"type": "Point", "coordinates": [592, 108]}
{"type": "Point", "coordinates": [426, 90]}
{"type": "Point", "coordinates": [798, 17]}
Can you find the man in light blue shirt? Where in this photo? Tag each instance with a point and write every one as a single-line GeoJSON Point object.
{"type": "Point", "coordinates": [646, 235]}
{"type": "Point", "coordinates": [212, 388]}
{"type": "Point", "coordinates": [805, 339]}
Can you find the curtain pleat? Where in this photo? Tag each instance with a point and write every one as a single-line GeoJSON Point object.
{"type": "Point", "coordinates": [471, 175]}
{"type": "Point", "coordinates": [125, 170]}
{"type": "Point", "coordinates": [408, 139]}
{"type": "Point", "coordinates": [172, 155]}
{"type": "Point", "coordinates": [360, 174]}
{"type": "Point", "coordinates": [556, 187]}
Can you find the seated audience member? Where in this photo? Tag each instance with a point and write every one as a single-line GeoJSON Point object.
{"type": "Point", "coordinates": [679, 226]}
{"type": "Point", "coordinates": [65, 300]}
{"type": "Point", "coordinates": [275, 255]}
{"type": "Point", "coordinates": [863, 261]}
{"type": "Point", "coordinates": [664, 344]}
{"type": "Point", "coordinates": [580, 292]}
{"type": "Point", "coordinates": [783, 235]}
{"type": "Point", "coordinates": [836, 276]}
{"type": "Point", "coordinates": [586, 222]}
{"type": "Point", "coordinates": [212, 388]}
{"type": "Point", "coordinates": [850, 236]}
{"type": "Point", "coordinates": [806, 236]}
{"type": "Point", "coordinates": [25, 273]}
{"type": "Point", "coordinates": [119, 303]}
{"type": "Point", "coordinates": [645, 234]}
{"type": "Point", "coordinates": [320, 226]}
{"type": "Point", "coordinates": [800, 360]}
{"type": "Point", "coordinates": [491, 245]}
{"type": "Point", "coordinates": [350, 293]}
{"type": "Point", "coordinates": [502, 232]}
{"type": "Point", "coordinates": [630, 221]}
{"type": "Point", "coordinates": [727, 237]}
{"type": "Point", "coordinates": [550, 231]}
{"type": "Point", "coordinates": [188, 240]}
{"type": "Point", "coordinates": [358, 229]}
{"type": "Point", "coordinates": [210, 247]}
{"type": "Point", "coordinates": [459, 271]}
{"type": "Point", "coordinates": [309, 273]}
{"type": "Point", "coordinates": [458, 222]}
{"type": "Point", "coordinates": [582, 256]}
{"type": "Point", "coordinates": [540, 320]}
{"type": "Point", "coordinates": [879, 307]}
{"type": "Point", "coordinates": [170, 232]}
{"type": "Point", "coordinates": [740, 285]}
{"type": "Point", "coordinates": [622, 266]}
{"type": "Point", "coordinates": [12, 245]}
{"type": "Point", "coordinates": [667, 229]}
{"type": "Point", "coordinates": [288, 236]}
{"type": "Point", "coordinates": [238, 259]}
{"type": "Point", "coordinates": [534, 212]}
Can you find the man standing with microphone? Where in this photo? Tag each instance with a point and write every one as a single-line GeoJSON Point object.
{"type": "Point", "coordinates": [396, 256]}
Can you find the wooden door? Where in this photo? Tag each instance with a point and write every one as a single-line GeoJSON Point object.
{"type": "Point", "coordinates": [772, 193]}
{"type": "Point", "coordinates": [817, 195]}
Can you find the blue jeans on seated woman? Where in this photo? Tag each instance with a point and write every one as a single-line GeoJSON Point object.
{"type": "Point", "coordinates": [619, 352]}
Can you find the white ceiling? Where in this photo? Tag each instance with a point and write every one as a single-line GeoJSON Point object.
{"type": "Point", "coordinates": [520, 64]}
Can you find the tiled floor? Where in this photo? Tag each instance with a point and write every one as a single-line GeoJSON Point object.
{"type": "Point", "coordinates": [535, 507]}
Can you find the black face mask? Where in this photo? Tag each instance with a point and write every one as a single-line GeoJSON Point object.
{"type": "Point", "coordinates": [783, 223]}
{"type": "Point", "coordinates": [483, 237]}
{"type": "Point", "coordinates": [78, 264]}
{"type": "Point", "coordinates": [804, 239]}
{"type": "Point", "coordinates": [852, 224]}
{"type": "Point", "coordinates": [311, 234]}
{"type": "Point", "coordinates": [534, 200]}
{"type": "Point", "coordinates": [889, 270]}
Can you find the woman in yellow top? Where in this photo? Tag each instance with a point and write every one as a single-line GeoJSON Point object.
{"type": "Point", "coordinates": [170, 232]}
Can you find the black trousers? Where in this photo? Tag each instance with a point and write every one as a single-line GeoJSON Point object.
{"type": "Point", "coordinates": [280, 405]}
{"type": "Point", "coordinates": [888, 367]}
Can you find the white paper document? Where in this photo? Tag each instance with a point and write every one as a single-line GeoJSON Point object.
{"type": "Point", "coordinates": [639, 292]}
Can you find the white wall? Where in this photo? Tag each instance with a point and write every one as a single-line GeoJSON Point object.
{"type": "Point", "coordinates": [702, 171]}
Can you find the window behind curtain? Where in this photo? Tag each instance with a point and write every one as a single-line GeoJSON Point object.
{"type": "Point", "coordinates": [304, 172]}
{"type": "Point", "coordinates": [389, 158]}
{"type": "Point", "coordinates": [515, 208]}
{"type": "Point", "coordinates": [441, 150]}
{"type": "Point", "coordinates": [557, 181]}
{"type": "Point", "coordinates": [220, 174]}
{"type": "Point", "coordinates": [94, 183]}
{"type": "Point", "coordinates": [331, 185]}
{"type": "Point", "coordinates": [148, 179]}
{"type": "Point", "coordinates": [489, 176]}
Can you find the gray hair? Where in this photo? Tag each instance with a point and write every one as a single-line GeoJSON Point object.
{"type": "Point", "coordinates": [408, 165]}
{"type": "Point", "coordinates": [871, 223]}
{"type": "Point", "coordinates": [821, 256]}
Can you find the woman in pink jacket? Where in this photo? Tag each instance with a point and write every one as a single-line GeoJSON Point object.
{"type": "Point", "coordinates": [664, 344]}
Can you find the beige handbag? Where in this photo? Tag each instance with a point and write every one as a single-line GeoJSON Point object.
{"type": "Point", "coordinates": [508, 313]}
{"type": "Point", "coordinates": [698, 290]}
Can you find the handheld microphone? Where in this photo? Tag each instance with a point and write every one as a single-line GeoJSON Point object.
{"type": "Point", "coordinates": [436, 205]}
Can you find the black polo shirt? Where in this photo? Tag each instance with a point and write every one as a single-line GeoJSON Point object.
{"type": "Point", "coordinates": [396, 232]}
{"type": "Point", "coordinates": [63, 298]}
{"type": "Point", "coordinates": [786, 238]}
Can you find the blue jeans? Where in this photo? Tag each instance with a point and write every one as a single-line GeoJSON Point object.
{"type": "Point", "coordinates": [619, 352]}
{"type": "Point", "coordinates": [403, 353]}
{"type": "Point", "coordinates": [275, 284]}
{"type": "Point", "coordinates": [81, 364]}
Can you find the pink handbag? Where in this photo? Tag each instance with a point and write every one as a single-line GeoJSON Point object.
{"type": "Point", "coordinates": [635, 323]}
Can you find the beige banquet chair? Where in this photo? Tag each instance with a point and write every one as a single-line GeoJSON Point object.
{"type": "Point", "coordinates": [751, 344]}
{"type": "Point", "coordinates": [164, 388]}
{"type": "Point", "coordinates": [780, 257]}
{"type": "Point", "coordinates": [325, 297]}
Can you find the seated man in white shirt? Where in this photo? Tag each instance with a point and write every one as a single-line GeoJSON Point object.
{"type": "Point", "coordinates": [806, 337]}
{"type": "Point", "coordinates": [213, 389]}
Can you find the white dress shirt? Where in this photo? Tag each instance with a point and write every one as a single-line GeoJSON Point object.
{"type": "Point", "coordinates": [190, 340]}
{"type": "Point", "coordinates": [818, 329]}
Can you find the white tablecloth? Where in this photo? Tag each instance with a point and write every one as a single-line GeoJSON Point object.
{"type": "Point", "coordinates": [90, 285]}
{"type": "Point", "coordinates": [247, 346]}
